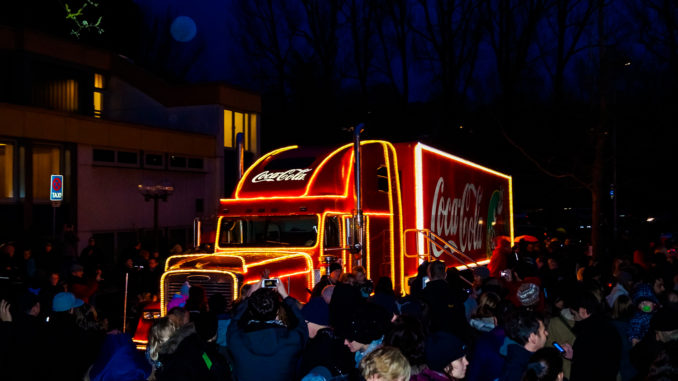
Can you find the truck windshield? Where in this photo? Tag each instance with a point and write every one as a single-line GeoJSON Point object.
{"type": "Point", "coordinates": [258, 231]}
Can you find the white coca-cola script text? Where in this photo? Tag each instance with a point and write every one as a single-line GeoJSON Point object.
{"type": "Point", "coordinates": [457, 217]}
{"type": "Point", "coordinates": [289, 175]}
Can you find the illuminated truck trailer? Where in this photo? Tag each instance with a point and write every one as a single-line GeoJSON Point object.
{"type": "Point", "coordinates": [295, 210]}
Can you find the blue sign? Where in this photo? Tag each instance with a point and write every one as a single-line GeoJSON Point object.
{"type": "Point", "coordinates": [56, 189]}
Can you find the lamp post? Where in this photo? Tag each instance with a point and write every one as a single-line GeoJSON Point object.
{"type": "Point", "coordinates": [156, 192]}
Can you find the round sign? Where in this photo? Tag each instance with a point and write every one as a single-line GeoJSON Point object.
{"type": "Point", "coordinates": [56, 184]}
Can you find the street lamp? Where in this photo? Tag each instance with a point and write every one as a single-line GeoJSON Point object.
{"type": "Point", "coordinates": [156, 192]}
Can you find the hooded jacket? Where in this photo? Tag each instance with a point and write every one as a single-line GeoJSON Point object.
{"type": "Point", "coordinates": [185, 357]}
{"type": "Point", "coordinates": [270, 352]}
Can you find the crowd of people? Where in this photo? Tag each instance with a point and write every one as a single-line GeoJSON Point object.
{"type": "Point", "coordinates": [538, 311]}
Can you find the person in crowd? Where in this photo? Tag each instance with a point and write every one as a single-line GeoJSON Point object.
{"type": "Point", "coordinates": [327, 292]}
{"type": "Point", "coordinates": [91, 258]}
{"type": "Point", "coordinates": [622, 285]}
{"type": "Point", "coordinates": [178, 353]}
{"type": "Point", "coordinates": [324, 348]}
{"type": "Point", "coordinates": [119, 360]}
{"type": "Point", "coordinates": [259, 339]}
{"type": "Point", "coordinates": [501, 258]}
{"type": "Point", "coordinates": [407, 334]}
{"type": "Point", "coordinates": [366, 330]}
{"type": "Point", "coordinates": [82, 287]}
{"type": "Point", "coordinates": [446, 309]}
{"type": "Point", "coordinates": [8, 262]}
{"type": "Point", "coordinates": [596, 352]}
{"type": "Point", "coordinates": [484, 319]}
{"type": "Point", "coordinates": [487, 361]}
{"type": "Point", "coordinates": [151, 277]}
{"type": "Point", "coordinates": [561, 329]}
{"type": "Point", "coordinates": [545, 364]}
{"type": "Point", "coordinates": [27, 267]}
{"type": "Point", "coordinates": [385, 364]}
{"type": "Point", "coordinates": [66, 346]}
{"type": "Point", "coordinates": [646, 302]}
{"type": "Point", "coordinates": [621, 314]}
{"type": "Point", "coordinates": [385, 296]}
{"type": "Point", "coordinates": [361, 282]}
{"type": "Point", "coordinates": [526, 334]}
{"type": "Point", "coordinates": [663, 335]}
{"type": "Point", "coordinates": [445, 357]}
{"type": "Point", "coordinates": [347, 278]}
{"type": "Point", "coordinates": [331, 278]}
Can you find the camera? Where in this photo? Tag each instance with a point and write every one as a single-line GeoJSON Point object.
{"type": "Point", "coordinates": [269, 283]}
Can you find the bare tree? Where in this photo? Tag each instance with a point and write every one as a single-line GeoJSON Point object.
{"type": "Point", "coordinates": [394, 31]}
{"type": "Point", "coordinates": [360, 16]}
{"type": "Point", "coordinates": [451, 33]}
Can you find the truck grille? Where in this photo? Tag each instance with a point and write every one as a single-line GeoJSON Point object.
{"type": "Point", "coordinates": [213, 283]}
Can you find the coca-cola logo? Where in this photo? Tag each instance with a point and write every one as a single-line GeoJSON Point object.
{"type": "Point", "coordinates": [457, 217]}
{"type": "Point", "coordinates": [289, 175]}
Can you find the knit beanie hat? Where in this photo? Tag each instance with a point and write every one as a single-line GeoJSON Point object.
{"type": "Point", "coordinates": [442, 348]}
{"type": "Point", "coordinates": [482, 272]}
{"type": "Point", "coordinates": [368, 323]}
{"type": "Point", "coordinates": [528, 294]}
{"type": "Point", "coordinates": [644, 292]}
{"type": "Point", "coordinates": [317, 311]}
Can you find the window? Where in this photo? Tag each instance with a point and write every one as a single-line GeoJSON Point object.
{"type": "Point", "coordinates": [103, 155]}
{"type": "Point", "coordinates": [239, 122]}
{"type": "Point", "coordinates": [154, 160]}
{"type": "Point", "coordinates": [118, 158]}
{"type": "Point", "coordinates": [332, 235]}
{"type": "Point", "coordinates": [6, 170]}
{"type": "Point", "coordinates": [46, 162]}
{"type": "Point", "coordinates": [98, 95]}
{"type": "Point", "coordinates": [177, 161]}
{"type": "Point", "coordinates": [187, 163]}
{"type": "Point", "coordinates": [269, 231]}
{"type": "Point", "coordinates": [125, 157]}
{"type": "Point", "coordinates": [382, 179]}
{"type": "Point", "coordinates": [195, 163]}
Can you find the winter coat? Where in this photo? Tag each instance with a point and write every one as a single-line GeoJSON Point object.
{"type": "Point", "coordinates": [327, 350]}
{"type": "Point", "coordinates": [446, 311]}
{"type": "Point", "coordinates": [270, 352]}
{"type": "Point", "coordinates": [185, 357]}
{"type": "Point", "coordinates": [517, 358]}
{"type": "Point", "coordinates": [597, 350]}
{"type": "Point", "coordinates": [486, 363]}
{"type": "Point", "coordinates": [119, 361]}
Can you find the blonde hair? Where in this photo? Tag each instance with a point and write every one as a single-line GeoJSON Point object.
{"type": "Point", "coordinates": [159, 333]}
{"type": "Point", "coordinates": [386, 362]}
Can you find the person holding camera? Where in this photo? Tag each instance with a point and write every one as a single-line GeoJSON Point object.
{"type": "Point", "coordinates": [267, 334]}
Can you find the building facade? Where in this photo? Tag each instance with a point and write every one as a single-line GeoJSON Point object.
{"type": "Point", "coordinates": [114, 131]}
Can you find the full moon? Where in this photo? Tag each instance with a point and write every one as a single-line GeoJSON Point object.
{"type": "Point", "coordinates": [183, 29]}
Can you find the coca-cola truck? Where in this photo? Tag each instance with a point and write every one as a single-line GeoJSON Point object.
{"type": "Point", "coordinates": [388, 208]}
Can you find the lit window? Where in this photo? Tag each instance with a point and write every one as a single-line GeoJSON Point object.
{"type": "Point", "coordinates": [46, 162]}
{"type": "Point", "coordinates": [98, 100]}
{"type": "Point", "coordinates": [239, 126]}
{"type": "Point", "coordinates": [253, 133]}
{"type": "Point", "coordinates": [59, 95]}
{"type": "Point", "coordinates": [6, 170]}
{"type": "Point", "coordinates": [228, 128]}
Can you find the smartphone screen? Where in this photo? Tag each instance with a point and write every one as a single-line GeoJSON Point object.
{"type": "Point", "coordinates": [558, 347]}
{"type": "Point", "coordinates": [270, 283]}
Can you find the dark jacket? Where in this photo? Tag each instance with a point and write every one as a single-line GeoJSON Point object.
{"type": "Point", "coordinates": [270, 352]}
{"type": "Point", "coordinates": [517, 358]}
{"type": "Point", "coordinates": [328, 350]}
{"type": "Point", "coordinates": [446, 310]}
{"type": "Point", "coordinates": [597, 350]}
{"type": "Point", "coordinates": [185, 357]}
{"type": "Point", "coordinates": [486, 363]}
{"type": "Point", "coordinates": [318, 288]}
